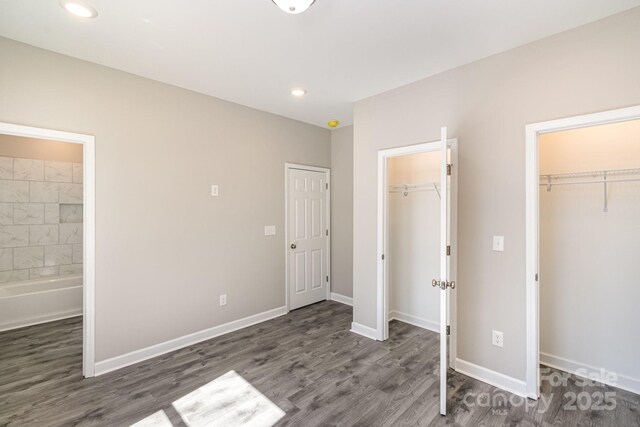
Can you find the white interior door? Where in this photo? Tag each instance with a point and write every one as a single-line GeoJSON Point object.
{"type": "Point", "coordinates": [308, 237]}
{"type": "Point", "coordinates": [445, 282]}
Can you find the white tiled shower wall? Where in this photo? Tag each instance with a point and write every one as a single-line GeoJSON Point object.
{"type": "Point", "coordinates": [40, 219]}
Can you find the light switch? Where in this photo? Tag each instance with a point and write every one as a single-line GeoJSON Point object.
{"type": "Point", "coordinates": [214, 190]}
{"type": "Point", "coordinates": [269, 230]}
{"type": "Point", "coordinates": [498, 243]}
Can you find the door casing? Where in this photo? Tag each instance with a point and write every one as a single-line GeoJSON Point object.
{"type": "Point", "coordinates": [532, 132]}
{"type": "Point", "coordinates": [287, 168]}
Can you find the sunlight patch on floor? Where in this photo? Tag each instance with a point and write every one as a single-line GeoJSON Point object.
{"type": "Point", "coordinates": [227, 401]}
{"type": "Point", "coordinates": [157, 419]}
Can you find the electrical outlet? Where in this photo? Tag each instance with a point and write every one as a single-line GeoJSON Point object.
{"type": "Point", "coordinates": [498, 243]}
{"type": "Point", "coordinates": [223, 300]}
{"type": "Point", "coordinates": [214, 190]}
{"type": "Point", "coordinates": [269, 230]}
{"type": "Point", "coordinates": [497, 339]}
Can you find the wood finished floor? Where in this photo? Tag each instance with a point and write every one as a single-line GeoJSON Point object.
{"type": "Point", "coordinates": [307, 363]}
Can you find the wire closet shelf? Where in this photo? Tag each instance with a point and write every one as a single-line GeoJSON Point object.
{"type": "Point", "coordinates": [602, 177]}
{"type": "Point", "coordinates": [405, 189]}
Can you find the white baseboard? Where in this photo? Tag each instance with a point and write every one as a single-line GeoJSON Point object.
{"type": "Point", "coordinates": [108, 365]}
{"type": "Point", "coordinates": [363, 330]}
{"type": "Point", "coordinates": [415, 321]}
{"type": "Point", "coordinates": [341, 299]}
{"type": "Point", "coordinates": [496, 379]}
{"type": "Point", "coordinates": [623, 382]}
{"type": "Point", "coordinates": [40, 319]}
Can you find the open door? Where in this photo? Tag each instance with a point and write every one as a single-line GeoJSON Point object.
{"type": "Point", "coordinates": [444, 282]}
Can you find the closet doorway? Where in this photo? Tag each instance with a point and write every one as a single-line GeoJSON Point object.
{"type": "Point", "coordinates": [416, 243]}
{"type": "Point", "coordinates": [583, 241]}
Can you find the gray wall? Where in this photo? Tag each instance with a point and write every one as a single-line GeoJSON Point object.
{"type": "Point", "coordinates": [486, 105]}
{"type": "Point", "coordinates": [165, 248]}
{"type": "Point", "coordinates": [413, 227]}
{"type": "Point", "coordinates": [342, 211]}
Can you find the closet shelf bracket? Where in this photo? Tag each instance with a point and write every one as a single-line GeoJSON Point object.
{"type": "Point", "coordinates": [604, 178]}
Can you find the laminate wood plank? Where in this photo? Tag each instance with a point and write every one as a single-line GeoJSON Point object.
{"type": "Point", "coordinates": [306, 363]}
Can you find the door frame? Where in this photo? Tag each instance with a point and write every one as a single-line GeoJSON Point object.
{"type": "Point", "coordinates": [382, 310]}
{"type": "Point", "coordinates": [89, 228]}
{"type": "Point", "coordinates": [327, 173]}
{"type": "Point", "coordinates": [532, 132]}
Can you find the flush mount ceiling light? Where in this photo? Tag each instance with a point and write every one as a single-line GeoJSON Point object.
{"type": "Point", "coordinates": [294, 6]}
{"type": "Point", "coordinates": [79, 8]}
{"type": "Point", "coordinates": [298, 92]}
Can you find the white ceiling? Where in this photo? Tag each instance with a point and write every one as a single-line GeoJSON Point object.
{"type": "Point", "coordinates": [252, 53]}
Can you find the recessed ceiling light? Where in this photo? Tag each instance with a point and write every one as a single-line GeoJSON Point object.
{"type": "Point", "coordinates": [294, 6]}
{"type": "Point", "coordinates": [79, 8]}
{"type": "Point", "coordinates": [298, 92]}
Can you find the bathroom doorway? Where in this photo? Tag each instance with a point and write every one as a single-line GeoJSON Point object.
{"type": "Point", "coordinates": [47, 231]}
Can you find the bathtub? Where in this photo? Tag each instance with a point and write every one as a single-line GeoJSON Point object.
{"type": "Point", "coordinates": [41, 300]}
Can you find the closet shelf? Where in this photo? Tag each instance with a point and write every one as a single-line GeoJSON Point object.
{"type": "Point", "coordinates": [603, 177]}
{"type": "Point", "coordinates": [406, 188]}
{"type": "Point", "coordinates": [589, 177]}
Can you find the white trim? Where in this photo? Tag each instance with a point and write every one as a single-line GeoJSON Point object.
{"type": "Point", "coordinates": [445, 272]}
{"type": "Point", "coordinates": [382, 308]}
{"type": "Point", "coordinates": [623, 382]}
{"type": "Point", "coordinates": [89, 227]}
{"type": "Point", "coordinates": [532, 131]}
{"type": "Point", "coordinates": [496, 379]}
{"type": "Point", "coordinates": [42, 319]}
{"type": "Point", "coordinates": [365, 331]}
{"type": "Point", "coordinates": [341, 299]}
{"type": "Point", "coordinates": [415, 321]}
{"type": "Point", "coordinates": [453, 259]}
{"type": "Point", "coordinates": [104, 366]}
{"type": "Point", "coordinates": [531, 290]}
{"type": "Point", "coordinates": [287, 167]}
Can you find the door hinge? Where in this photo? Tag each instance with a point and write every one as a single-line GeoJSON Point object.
{"type": "Point", "coordinates": [327, 279]}
{"type": "Point", "coordinates": [448, 330]}
{"type": "Point", "coordinates": [448, 250]}
{"type": "Point", "coordinates": [383, 257]}
{"type": "Point", "coordinates": [449, 166]}
{"type": "Point", "coordinates": [536, 277]}
{"type": "Point", "coordinates": [326, 185]}
{"type": "Point", "coordinates": [327, 232]}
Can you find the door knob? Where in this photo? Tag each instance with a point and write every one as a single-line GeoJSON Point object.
{"type": "Point", "coordinates": [293, 246]}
